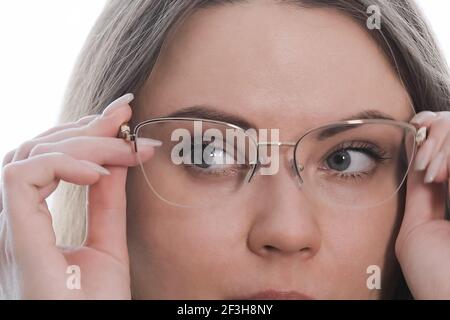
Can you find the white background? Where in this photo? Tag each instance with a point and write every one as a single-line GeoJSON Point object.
{"type": "Point", "coordinates": [40, 41]}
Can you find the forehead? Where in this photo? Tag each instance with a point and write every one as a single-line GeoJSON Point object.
{"type": "Point", "coordinates": [275, 64]}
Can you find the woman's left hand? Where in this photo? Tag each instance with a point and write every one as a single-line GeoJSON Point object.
{"type": "Point", "coordinates": [423, 243]}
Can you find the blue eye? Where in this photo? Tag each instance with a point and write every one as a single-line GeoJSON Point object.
{"type": "Point", "coordinates": [355, 159]}
{"type": "Point", "coordinates": [339, 161]}
{"type": "Point", "coordinates": [351, 161]}
{"type": "Point", "coordinates": [215, 156]}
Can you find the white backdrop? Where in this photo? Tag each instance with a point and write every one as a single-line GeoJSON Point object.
{"type": "Point", "coordinates": [40, 41]}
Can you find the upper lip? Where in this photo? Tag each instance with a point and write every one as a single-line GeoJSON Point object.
{"type": "Point", "coordinates": [272, 294]}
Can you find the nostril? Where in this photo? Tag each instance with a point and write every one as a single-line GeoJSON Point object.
{"type": "Point", "coordinates": [269, 248]}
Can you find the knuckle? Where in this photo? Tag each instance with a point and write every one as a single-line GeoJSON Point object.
{"type": "Point", "coordinates": [98, 127]}
{"type": "Point", "coordinates": [94, 125]}
{"type": "Point", "coordinates": [86, 119]}
{"type": "Point", "coordinates": [25, 148]}
{"type": "Point", "coordinates": [443, 114]}
{"type": "Point", "coordinates": [40, 149]}
{"type": "Point", "coordinates": [10, 173]}
{"type": "Point", "coordinates": [58, 156]}
{"type": "Point", "coordinates": [444, 121]}
{"type": "Point", "coordinates": [8, 157]}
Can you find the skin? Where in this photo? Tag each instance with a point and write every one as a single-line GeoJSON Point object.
{"type": "Point", "coordinates": [269, 236]}
{"type": "Point", "coordinates": [285, 70]}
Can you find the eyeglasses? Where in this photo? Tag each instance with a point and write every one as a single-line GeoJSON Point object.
{"type": "Point", "coordinates": [203, 162]}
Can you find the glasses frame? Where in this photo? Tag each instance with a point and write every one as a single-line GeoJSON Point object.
{"type": "Point", "coordinates": [419, 134]}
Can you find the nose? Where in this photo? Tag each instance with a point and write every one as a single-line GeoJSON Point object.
{"type": "Point", "coordinates": [285, 222]}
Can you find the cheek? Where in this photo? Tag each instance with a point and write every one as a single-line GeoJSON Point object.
{"type": "Point", "coordinates": [178, 240]}
{"type": "Point", "coordinates": [359, 239]}
{"type": "Point", "coordinates": [162, 225]}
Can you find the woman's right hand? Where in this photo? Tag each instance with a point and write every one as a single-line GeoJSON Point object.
{"type": "Point", "coordinates": [31, 264]}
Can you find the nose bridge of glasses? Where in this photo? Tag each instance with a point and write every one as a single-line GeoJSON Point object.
{"type": "Point", "coordinates": [295, 168]}
{"type": "Point", "coordinates": [277, 143]}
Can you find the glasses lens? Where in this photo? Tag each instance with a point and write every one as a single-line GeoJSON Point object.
{"type": "Point", "coordinates": [199, 162]}
{"type": "Point", "coordinates": [357, 165]}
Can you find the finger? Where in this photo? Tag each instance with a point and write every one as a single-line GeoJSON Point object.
{"type": "Point", "coordinates": [424, 202]}
{"type": "Point", "coordinates": [438, 128]}
{"type": "Point", "coordinates": [106, 218]}
{"type": "Point", "coordinates": [423, 118]}
{"type": "Point", "coordinates": [30, 223]}
{"type": "Point", "coordinates": [438, 171]}
{"type": "Point", "coordinates": [81, 122]}
{"type": "Point", "coordinates": [101, 150]}
{"type": "Point", "coordinates": [106, 125]}
{"type": "Point", "coordinates": [8, 157]}
{"type": "Point", "coordinates": [424, 154]}
{"type": "Point", "coordinates": [435, 166]}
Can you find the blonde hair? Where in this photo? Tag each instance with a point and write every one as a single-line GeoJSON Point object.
{"type": "Point", "coordinates": [116, 58]}
{"type": "Point", "coordinates": [124, 44]}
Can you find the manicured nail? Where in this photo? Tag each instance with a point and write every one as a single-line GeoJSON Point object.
{"type": "Point", "coordinates": [422, 116]}
{"type": "Point", "coordinates": [148, 142]}
{"type": "Point", "coordinates": [424, 155]}
{"type": "Point", "coordinates": [96, 167]}
{"type": "Point", "coordinates": [116, 104]}
{"type": "Point", "coordinates": [434, 167]}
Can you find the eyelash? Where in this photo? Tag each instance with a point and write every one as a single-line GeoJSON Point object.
{"type": "Point", "coordinates": [212, 172]}
{"type": "Point", "coordinates": [216, 172]}
{"type": "Point", "coordinates": [377, 154]}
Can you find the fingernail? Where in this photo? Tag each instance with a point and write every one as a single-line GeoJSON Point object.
{"type": "Point", "coordinates": [422, 116]}
{"type": "Point", "coordinates": [96, 167]}
{"type": "Point", "coordinates": [424, 155]}
{"type": "Point", "coordinates": [434, 167]}
{"type": "Point", "coordinates": [116, 104]}
{"type": "Point", "coordinates": [148, 142]}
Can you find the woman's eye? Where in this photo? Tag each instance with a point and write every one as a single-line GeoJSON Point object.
{"type": "Point", "coordinates": [210, 157]}
{"type": "Point", "coordinates": [350, 161]}
{"type": "Point", "coordinates": [213, 156]}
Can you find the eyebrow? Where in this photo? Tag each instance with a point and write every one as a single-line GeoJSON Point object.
{"type": "Point", "coordinates": [211, 113]}
{"type": "Point", "coordinates": [363, 115]}
{"type": "Point", "coordinates": [369, 114]}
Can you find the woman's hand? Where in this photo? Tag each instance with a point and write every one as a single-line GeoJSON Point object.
{"type": "Point", "coordinates": [423, 243]}
{"type": "Point", "coordinates": [31, 265]}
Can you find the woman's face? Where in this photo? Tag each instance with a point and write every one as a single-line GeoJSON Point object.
{"type": "Point", "coordinates": [277, 66]}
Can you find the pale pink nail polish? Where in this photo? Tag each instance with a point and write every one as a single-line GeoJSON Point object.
{"type": "Point", "coordinates": [424, 155]}
{"type": "Point", "coordinates": [149, 142]}
{"type": "Point", "coordinates": [434, 167]}
{"type": "Point", "coordinates": [96, 167]}
{"type": "Point", "coordinates": [113, 106]}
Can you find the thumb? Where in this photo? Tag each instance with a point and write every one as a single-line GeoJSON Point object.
{"type": "Point", "coordinates": [106, 214]}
